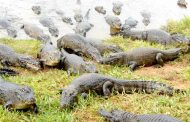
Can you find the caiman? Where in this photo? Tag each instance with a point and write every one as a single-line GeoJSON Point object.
{"type": "Point", "coordinates": [16, 97]}
{"type": "Point", "coordinates": [74, 64]}
{"type": "Point", "coordinates": [142, 57]}
{"type": "Point", "coordinates": [78, 45]}
{"type": "Point", "coordinates": [105, 85]}
{"type": "Point", "coordinates": [9, 57]}
{"type": "Point", "coordinates": [49, 55]}
{"type": "Point", "coordinates": [155, 36]}
{"type": "Point", "coordinates": [124, 116]}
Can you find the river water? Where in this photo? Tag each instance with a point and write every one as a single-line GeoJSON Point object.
{"type": "Point", "coordinates": [20, 11]}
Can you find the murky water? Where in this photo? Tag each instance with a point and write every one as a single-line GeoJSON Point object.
{"type": "Point", "coordinates": [20, 10]}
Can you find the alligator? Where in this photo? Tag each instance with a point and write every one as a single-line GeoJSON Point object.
{"type": "Point", "coordinates": [124, 116]}
{"type": "Point", "coordinates": [155, 36]}
{"type": "Point", "coordinates": [146, 17]}
{"type": "Point", "coordinates": [64, 18]}
{"type": "Point", "coordinates": [142, 57]}
{"type": "Point", "coordinates": [82, 28]}
{"type": "Point", "coordinates": [6, 24]}
{"type": "Point", "coordinates": [36, 9]}
{"type": "Point", "coordinates": [103, 48]}
{"type": "Point", "coordinates": [79, 45]}
{"type": "Point", "coordinates": [100, 9]}
{"type": "Point", "coordinates": [182, 3]}
{"type": "Point", "coordinates": [114, 23]}
{"type": "Point", "coordinates": [35, 32]}
{"type": "Point", "coordinates": [74, 64]}
{"type": "Point", "coordinates": [7, 71]}
{"type": "Point", "coordinates": [117, 7]}
{"type": "Point", "coordinates": [9, 57]}
{"type": "Point", "coordinates": [78, 16]}
{"type": "Point", "coordinates": [49, 55]}
{"type": "Point", "coordinates": [129, 23]}
{"type": "Point", "coordinates": [16, 97]}
{"type": "Point", "coordinates": [105, 85]}
{"type": "Point", "coordinates": [48, 22]}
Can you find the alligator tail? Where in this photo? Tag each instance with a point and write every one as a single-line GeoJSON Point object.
{"type": "Point", "coordinates": [160, 88]}
{"type": "Point", "coordinates": [105, 114]}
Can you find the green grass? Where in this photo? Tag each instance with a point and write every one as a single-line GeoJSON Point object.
{"type": "Point", "coordinates": [46, 85]}
{"type": "Point", "coordinates": [182, 26]}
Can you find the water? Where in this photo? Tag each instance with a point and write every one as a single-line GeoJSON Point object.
{"type": "Point", "coordinates": [20, 10]}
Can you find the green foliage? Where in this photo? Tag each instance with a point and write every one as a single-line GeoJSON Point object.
{"type": "Point", "coordinates": [182, 26]}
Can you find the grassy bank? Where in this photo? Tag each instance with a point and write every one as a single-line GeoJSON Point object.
{"type": "Point", "coordinates": [47, 83]}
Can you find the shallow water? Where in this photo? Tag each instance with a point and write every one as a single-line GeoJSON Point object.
{"type": "Point", "coordinates": [161, 11]}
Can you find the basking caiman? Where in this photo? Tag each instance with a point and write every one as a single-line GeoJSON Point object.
{"type": "Point", "coordinates": [49, 55]}
{"type": "Point", "coordinates": [103, 48]}
{"type": "Point", "coordinates": [142, 57]}
{"type": "Point", "coordinates": [105, 85]}
{"type": "Point", "coordinates": [78, 44]}
{"type": "Point", "coordinates": [155, 35]}
{"type": "Point", "coordinates": [123, 116]}
{"type": "Point", "coordinates": [74, 64]}
{"type": "Point", "coordinates": [35, 32]}
{"type": "Point", "coordinates": [18, 97]}
{"type": "Point", "coordinates": [48, 22]}
{"type": "Point", "coordinates": [9, 57]}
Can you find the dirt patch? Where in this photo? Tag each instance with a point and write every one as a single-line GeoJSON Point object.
{"type": "Point", "coordinates": [173, 73]}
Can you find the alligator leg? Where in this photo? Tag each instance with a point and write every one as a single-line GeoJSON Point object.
{"type": "Point", "coordinates": [5, 64]}
{"type": "Point", "coordinates": [7, 106]}
{"type": "Point", "coordinates": [106, 88]}
{"type": "Point", "coordinates": [132, 65]}
{"type": "Point", "coordinates": [159, 60]}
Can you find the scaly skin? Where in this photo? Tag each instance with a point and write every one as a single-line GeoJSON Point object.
{"type": "Point", "coordinates": [103, 48]}
{"type": "Point", "coordinates": [13, 96]}
{"type": "Point", "coordinates": [7, 71]}
{"type": "Point", "coordinates": [155, 35]}
{"type": "Point", "coordinates": [6, 24]}
{"type": "Point", "coordinates": [105, 85]}
{"type": "Point", "coordinates": [35, 32]}
{"type": "Point", "coordinates": [9, 57]}
{"type": "Point", "coordinates": [142, 57]}
{"type": "Point", "coordinates": [80, 45]}
{"type": "Point", "coordinates": [75, 64]}
{"type": "Point", "coordinates": [123, 116]}
{"type": "Point", "coordinates": [48, 22]}
{"type": "Point", "coordinates": [49, 55]}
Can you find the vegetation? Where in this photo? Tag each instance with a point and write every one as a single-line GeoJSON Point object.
{"type": "Point", "coordinates": [47, 83]}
